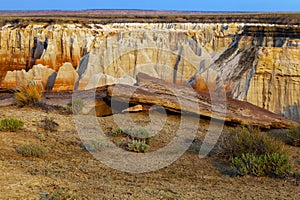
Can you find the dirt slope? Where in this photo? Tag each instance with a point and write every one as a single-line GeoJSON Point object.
{"type": "Point", "coordinates": [68, 166]}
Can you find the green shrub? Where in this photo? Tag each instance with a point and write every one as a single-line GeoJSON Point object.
{"type": "Point", "coordinates": [75, 106]}
{"type": "Point", "coordinates": [29, 94]}
{"type": "Point", "coordinates": [116, 132]}
{"type": "Point", "coordinates": [10, 124]}
{"type": "Point", "coordinates": [31, 150]}
{"type": "Point", "coordinates": [254, 153]}
{"type": "Point", "coordinates": [138, 146]}
{"type": "Point", "coordinates": [245, 140]}
{"type": "Point", "coordinates": [140, 139]}
{"type": "Point", "coordinates": [276, 165]}
{"type": "Point", "coordinates": [247, 164]}
{"type": "Point", "coordinates": [292, 136]}
{"type": "Point", "coordinates": [272, 165]}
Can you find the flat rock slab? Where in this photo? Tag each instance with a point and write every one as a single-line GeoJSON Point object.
{"type": "Point", "coordinates": [179, 98]}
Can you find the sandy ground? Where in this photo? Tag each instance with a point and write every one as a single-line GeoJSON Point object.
{"type": "Point", "coordinates": [70, 172]}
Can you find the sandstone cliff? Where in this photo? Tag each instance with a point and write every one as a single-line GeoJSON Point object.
{"type": "Point", "coordinates": [114, 49]}
{"type": "Point", "coordinates": [258, 63]}
{"type": "Point", "coordinates": [262, 66]}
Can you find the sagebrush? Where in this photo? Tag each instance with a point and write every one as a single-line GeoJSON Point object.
{"type": "Point", "coordinates": [138, 134]}
{"type": "Point", "coordinates": [243, 140]}
{"type": "Point", "coordinates": [254, 153]}
{"type": "Point", "coordinates": [32, 150]}
{"type": "Point", "coordinates": [94, 144]}
{"type": "Point", "coordinates": [292, 136]}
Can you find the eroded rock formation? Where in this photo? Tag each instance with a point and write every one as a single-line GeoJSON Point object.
{"type": "Point", "coordinates": [258, 63]}
{"type": "Point", "coordinates": [114, 49]}
{"type": "Point", "coordinates": [262, 66]}
{"type": "Point", "coordinates": [66, 78]}
{"type": "Point", "coordinates": [39, 73]}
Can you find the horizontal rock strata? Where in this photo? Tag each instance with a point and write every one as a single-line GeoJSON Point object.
{"type": "Point", "coordinates": [253, 59]}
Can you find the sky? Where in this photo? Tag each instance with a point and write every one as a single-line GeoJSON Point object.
{"type": "Point", "coordinates": [187, 5]}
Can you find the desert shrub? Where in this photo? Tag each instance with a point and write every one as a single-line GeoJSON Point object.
{"type": "Point", "coordinates": [49, 124]}
{"type": "Point", "coordinates": [254, 153]}
{"type": "Point", "coordinates": [75, 106]}
{"type": "Point", "coordinates": [138, 146]}
{"type": "Point", "coordinates": [40, 136]}
{"type": "Point", "coordinates": [68, 110]}
{"type": "Point", "coordinates": [116, 132]}
{"type": "Point", "coordinates": [250, 140]}
{"type": "Point", "coordinates": [31, 150]}
{"type": "Point", "coordinates": [140, 139]}
{"type": "Point", "coordinates": [29, 94]}
{"type": "Point", "coordinates": [272, 165]}
{"type": "Point", "coordinates": [276, 165]}
{"type": "Point", "coordinates": [94, 145]}
{"type": "Point", "coordinates": [296, 176]}
{"type": "Point", "coordinates": [59, 193]}
{"type": "Point", "coordinates": [137, 134]}
{"type": "Point", "coordinates": [247, 164]}
{"type": "Point", "coordinates": [10, 124]}
{"type": "Point", "coordinates": [292, 136]}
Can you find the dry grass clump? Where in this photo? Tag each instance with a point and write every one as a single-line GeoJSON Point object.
{"type": "Point", "coordinates": [31, 150]}
{"type": "Point", "coordinates": [48, 124]}
{"type": "Point", "coordinates": [243, 140]}
{"type": "Point", "coordinates": [29, 94]}
{"type": "Point", "coordinates": [292, 136]}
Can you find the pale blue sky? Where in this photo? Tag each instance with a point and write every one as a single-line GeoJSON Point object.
{"type": "Point", "coordinates": [192, 5]}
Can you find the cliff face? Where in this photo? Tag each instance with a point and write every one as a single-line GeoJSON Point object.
{"type": "Point", "coordinates": [258, 63]}
{"type": "Point", "coordinates": [112, 49]}
{"type": "Point", "coordinates": [275, 85]}
{"type": "Point", "coordinates": [261, 66]}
